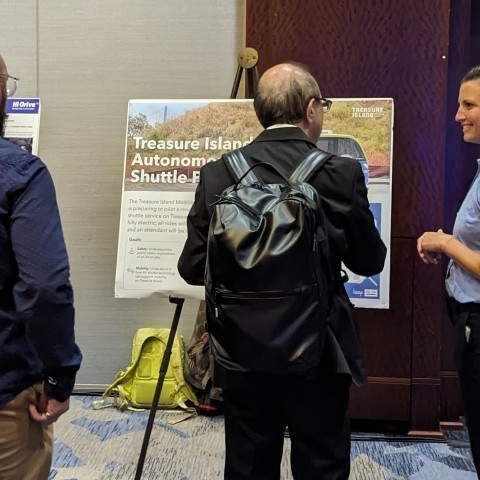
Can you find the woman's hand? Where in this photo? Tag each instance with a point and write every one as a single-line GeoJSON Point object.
{"type": "Point", "coordinates": [431, 244]}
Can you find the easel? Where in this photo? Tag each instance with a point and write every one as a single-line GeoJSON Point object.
{"type": "Point", "coordinates": [247, 60]}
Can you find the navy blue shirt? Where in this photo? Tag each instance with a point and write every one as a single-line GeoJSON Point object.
{"type": "Point", "coordinates": [37, 340]}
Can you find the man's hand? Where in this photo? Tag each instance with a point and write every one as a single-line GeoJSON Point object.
{"type": "Point", "coordinates": [47, 410]}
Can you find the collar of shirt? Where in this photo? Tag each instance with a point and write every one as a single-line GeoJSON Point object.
{"type": "Point", "coordinates": [280, 125]}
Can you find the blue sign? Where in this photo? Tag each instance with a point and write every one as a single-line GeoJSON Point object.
{"type": "Point", "coordinates": [366, 287]}
{"type": "Point", "coordinates": [23, 105]}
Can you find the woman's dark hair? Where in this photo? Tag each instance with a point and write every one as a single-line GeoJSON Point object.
{"type": "Point", "coordinates": [472, 74]}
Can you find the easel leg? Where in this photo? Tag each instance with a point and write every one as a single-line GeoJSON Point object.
{"type": "Point", "coordinates": [236, 82]}
{"type": "Point", "coordinates": [163, 370]}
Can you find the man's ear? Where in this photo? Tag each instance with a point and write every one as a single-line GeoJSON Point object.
{"type": "Point", "coordinates": [310, 110]}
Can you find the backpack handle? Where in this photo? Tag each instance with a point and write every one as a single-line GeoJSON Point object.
{"type": "Point", "coordinates": [244, 172]}
{"type": "Point", "coordinates": [266, 164]}
{"type": "Point", "coordinates": [238, 166]}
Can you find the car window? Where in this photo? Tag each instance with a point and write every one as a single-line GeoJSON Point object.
{"type": "Point", "coordinates": [341, 146]}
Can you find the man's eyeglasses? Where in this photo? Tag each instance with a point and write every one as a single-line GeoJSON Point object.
{"type": "Point", "coordinates": [326, 103]}
{"type": "Point", "coordinates": [12, 83]}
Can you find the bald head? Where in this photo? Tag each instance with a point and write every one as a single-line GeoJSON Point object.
{"type": "Point", "coordinates": [279, 77]}
{"type": "Point", "coordinates": [284, 93]}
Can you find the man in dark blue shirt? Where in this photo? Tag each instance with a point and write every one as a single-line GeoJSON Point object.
{"type": "Point", "coordinates": [38, 355]}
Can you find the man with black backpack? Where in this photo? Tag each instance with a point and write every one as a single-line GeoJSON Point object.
{"type": "Point", "coordinates": [268, 248]}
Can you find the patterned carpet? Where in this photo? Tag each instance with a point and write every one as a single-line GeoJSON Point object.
{"type": "Point", "coordinates": [105, 444]}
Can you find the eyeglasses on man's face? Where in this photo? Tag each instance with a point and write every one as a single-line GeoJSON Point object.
{"type": "Point", "coordinates": [12, 83]}
{"type": "Point", "coordinates": [326, 103]}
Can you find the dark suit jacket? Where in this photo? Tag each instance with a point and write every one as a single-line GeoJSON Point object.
{"type": "Point", "coordinates": [354, 238]}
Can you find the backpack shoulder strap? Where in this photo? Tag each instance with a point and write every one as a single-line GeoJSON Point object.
{"type": "Point", "coordinates": [313, 161]}
{"type": "Point", "coordinates": [238, 166]}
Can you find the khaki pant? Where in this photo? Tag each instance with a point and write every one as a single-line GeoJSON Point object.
{"type": "Point", "coordinates": [25, 445]}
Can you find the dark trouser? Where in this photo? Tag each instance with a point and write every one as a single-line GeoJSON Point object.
{"type": "Point", "coordinates": [315, 412]}
{"type": "Point", "coordinates": [467, 359]}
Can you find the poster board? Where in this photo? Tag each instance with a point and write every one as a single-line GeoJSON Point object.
{"type": "Point", "coordinates": [168, 141]}
{"type": "Point", "coordinates": [23, 123]}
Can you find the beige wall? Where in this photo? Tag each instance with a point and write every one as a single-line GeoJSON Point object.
{"type": "Point", "coordinates": [85, 60]}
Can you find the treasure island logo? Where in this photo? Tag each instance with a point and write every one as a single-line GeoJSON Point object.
{"type": "Point", "coordinates": [367, 112]}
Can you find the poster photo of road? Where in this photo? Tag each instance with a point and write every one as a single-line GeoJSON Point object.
{"type": "Point", "coordinates": [167, 143]}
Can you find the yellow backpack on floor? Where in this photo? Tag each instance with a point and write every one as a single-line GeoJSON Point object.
{"type": "Point", "coordinates": [135, 386]}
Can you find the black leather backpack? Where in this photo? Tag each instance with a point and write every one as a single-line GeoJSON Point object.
{"type": "Point", "coordinates": [267, 275]}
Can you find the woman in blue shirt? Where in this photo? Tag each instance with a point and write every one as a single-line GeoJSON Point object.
{"type": "Point", "coordinates": [463, 274]}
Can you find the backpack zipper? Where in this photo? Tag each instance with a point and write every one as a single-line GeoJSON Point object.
{"type": "Point", "coordinates": [261, 186]}
{"type": "Point", "coordinates": [235, 201]}
{"type": "Point", "coordinates": [273, 294]}
{"type": "Point", "coordinates": [270, 295]}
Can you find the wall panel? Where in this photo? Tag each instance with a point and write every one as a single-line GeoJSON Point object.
{"type": "Point", "coordinates": [380, 48]}
{"type": "Point", "coordinates": [18, 43]}
{"type": "Point", "coordinates": [85, 60]}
